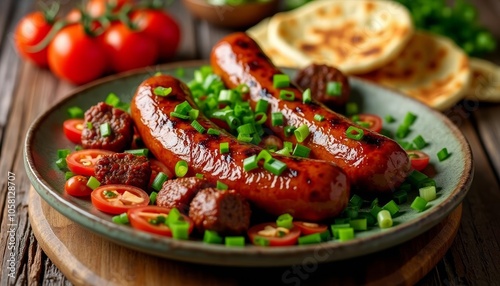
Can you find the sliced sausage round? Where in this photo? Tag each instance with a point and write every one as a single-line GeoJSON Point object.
{"type": "Point", "coordinates": [123, 168]}
{"type": "Point", "coordinates": [178, 193]}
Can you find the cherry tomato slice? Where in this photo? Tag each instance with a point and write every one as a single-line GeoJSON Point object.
{"type": "Point", "coordinates": [285, 240]}
{"type": "Point", "coordinates": [140, 219]}
{"type": "Point", "coordinates": [374, 121]}
{"type": "Point", "coordinates": [77, 186]}
{"type": "Point", "coordinates": [156, 167]}
{"type": "Point", "coordinates": [82, 162]}
{"type": "Point", "coordinates": [419, 160]}
{"type": "Point", "coordinates": [309, 227]}
{"type": "Point", "coordinates": [73, 130]}
{"type": "Point", "coordinates": [117, 198]}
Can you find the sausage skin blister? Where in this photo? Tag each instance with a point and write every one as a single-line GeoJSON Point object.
{"type": "Point", "coordinates": [309, 189]}
{"type": "Point", "coordinates": [375, 164]}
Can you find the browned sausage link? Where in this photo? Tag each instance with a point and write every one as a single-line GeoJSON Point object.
{"type": "Point", "coordinates": [308, 189]}
{"type": "Point", "coordinates": [374, 164]}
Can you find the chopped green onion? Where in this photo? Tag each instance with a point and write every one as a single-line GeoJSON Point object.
{"type": "Point", "coordinates": [181, 168]}
{"type": "Point", "coordinates": [227, 96]}
{"type": "Point", "coordinates": [109, 194]}
{"type": "Point", "coordinates": [427, 193]}
{"type": "Point", "coordinates": [248, 128]}
{"type": "Point", "coordinates": [212, 237]}
{"type": "Point", "coordinates": [409, 119]}
{"type": "Point", "coordinates": [152, 198]}
{"type": "Point", "coordinates": [93, 183]}
{"type": "Point", "coordinates": [180, 72]}
{"type": "Point", "coordinates": [277, 119]}
{"type": "Point", "coordinates": [105, 129]}
{"type": "Point", "coordinates": [285, 220]}
{"type": "Point", "coordinates": [221, 186]}
{"type": "Point", "coordinates": [162, 91]}
{"type": "Point", "coordinates": [310, 239]}
{"type": "Point", "coordinates": [63, 153]}
{"type": "Point", "coordinates": [346, 234]}
{"type": "Point", "coordinates": [224, 147]}
{"type": "Point", "coordinates": [419, 142]}
{"type": "Point", "coordinates": [356, 201]}
{"type": "Point", "coordinates": [260, 118]}
{"type": "Point", "coordinates": [337, 226]}
{"type": "Point", "coordinates": [213, 131]}
{"type": "Point", "coordinates": [261, 241]}
{"type": "Point", "coordinates": [138, 152]}
{"type": "Point", "coordinates": [281, 80]}
{"type": "Point", "coordinates": [288, 145]}
{"type": "Point", "coordinates": [419, 204]}
{"type": "Point", "coordinates": [389, 119]}
{"type": "Point", "coordinates": [351, 211]}
{"type": "Point", "coordinates": [287, 95]}
{"type": "Point", "coordinates": [75, 112]}
{"type": "Point", "coordinates": [250, 163]}
{"type": "Point", "coordinates": [301, 133]}
{"type": "Point", "coordinates": [334, 88]}
{"type": "Point", "coordinates": [89, 125]}
{"type": "Point", "coordinates": [183, 108]}
{"type": "Point", "coordinates": [180, 230]}
{"type": "Point", "coordinates": [112, 99]}
{"type": "Point", "coordinates": [196, 125]}
{"type": "Point", "coordinates": [199, 176]}
{"type": "Point", "coordinates": [68, 175]}
{"type": "Point", "coordinates": [375, 210]}
{"type": "Point", "coordinates": [261, 106]}
{"type": "Point", "coordinates": [426, 183]}
{"type": "Point", "coordinates": [283, 151]}
{"type": "Point", "coordinates": [351, 108]}
{"type": "Point", "coordinates": [289, 130]}
{"type": "Point", "coordinates": [374, 203]}
{"type": "Point", "coordinates": [264, 154]}
{"type": "Point", "coordinates": [306, 96]}
{"type": "Point", "coordinates": [243, 88]}
{"type": "Point", "coordinates": [244, 137]}
{"type": "Point", "coordinates": [193, 114]}
{"type": "Point", "coordinates": [384, 219]}
{"type": "Point", "coordinates": [275, 166]}
{"type": "Point", "coordinates": [370, 220]}
{"type": "Point", "coordinates": [416, 178]}
{"type": "Point", "coordinates": [359, 224]}
{"type": "Point", "coordinates": [233, 121]}
{"type": "Point", "coordinates": [443, 154]}
{"type": "Point", "coordinates": [78, 147]}
{"type": "Point", "coordinates": [179, 115]}
{"type": "Point", "coordinates": [301, 151]}
{"type": "Point", "coordinates": [354, 133]}
{"type": "Point", "coordinates": [402, 131]}
{"type": "Point", "coordinates": [174, 216]}
{"type": "Point", "coordinates": [319, 117]}
{"type": "Point", "coordinates": [235, 241]}
{"type": "Point", "coordinates": [159, 180]}
{"type": "Point", "coordinates": [120, 219]}
{"type": "Point", "coordinates": [391, 207]}
{"type": "Point", "coordinates": [405, 187]}
{"type": "Point", "coordinates": [400, 197]}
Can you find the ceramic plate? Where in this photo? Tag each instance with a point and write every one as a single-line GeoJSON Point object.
{"type": "Point", "coordinates": [453, 175]}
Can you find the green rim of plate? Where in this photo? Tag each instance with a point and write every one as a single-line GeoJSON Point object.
{"type": "Point", "coordinates": [454, 175]}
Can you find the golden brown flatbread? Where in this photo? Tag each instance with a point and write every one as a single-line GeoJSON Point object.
{"type": "Point", "coordinates": [485, 83]}
{"type": "Point", "coordinates": [431, 68]}
{"type": "Point", "coordinates": [356, 36]}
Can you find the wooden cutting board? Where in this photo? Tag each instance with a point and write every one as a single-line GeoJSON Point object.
{"type": "Point", "coordinates": [87, 259]}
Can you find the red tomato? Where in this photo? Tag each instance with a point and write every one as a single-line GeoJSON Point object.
{"type": "Point", "coordinates": [128, 49]}
{"type": "Point", "coordinates": [310, 228]}
{"type": "Point", "coordinates": [73, 130]}
{"type": "Point", "coordinates": [117, 198]}
{"type": "Point", "coordinates": [76, 56]}
{"type": "Point", "coordinates": [140, 219]}
{"type": "Point", "coordinates": [30, 31]}
{"type": "Point", "coordinates": [77, 186]}
{"type": "Point", "coordinates": [156, 167]}
{"type": "Point", "coordinates": [419, 160]}
{"type": "Point", "coordinates": [97, 8]}
{"type": "Point", "coordinates": [374, 121]}
{"type": "Point", "coordinates": [82, 162]}
{"type": "Point", "coordinates": [288, 239]}
{"type": "Point", "coordinates": [159, 25]}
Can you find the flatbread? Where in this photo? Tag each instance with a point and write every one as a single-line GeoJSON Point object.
{"type": "Point", "coordinates": [485, 83]}
{"type": "Point", "coordinates": [355, 36]}
{"type": "Point", "coordinates": [259, 34]}
{"type": "Point", "coordinates": [432, 69]}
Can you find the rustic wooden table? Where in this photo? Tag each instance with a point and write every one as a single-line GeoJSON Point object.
{"type": "Point", "coordinates": [27, 91]}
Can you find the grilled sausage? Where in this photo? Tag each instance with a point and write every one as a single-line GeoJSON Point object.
{"type": "Point", "coordinates": [179, 192]}
{"type": "Point", "coordinates": [225, 212]}
{"type": "Point", "coordinates": [123, 168]}
{"type": "Point", "coordinates": [375, 164]}
{"type": "Point", "coordinates": [308, 189]}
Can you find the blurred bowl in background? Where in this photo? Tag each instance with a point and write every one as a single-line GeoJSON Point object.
{"type": "Point", "coordinates": [232, 16]}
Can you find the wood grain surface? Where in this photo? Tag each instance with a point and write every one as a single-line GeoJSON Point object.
{"type": "Point", "coordinates": [26, 91]}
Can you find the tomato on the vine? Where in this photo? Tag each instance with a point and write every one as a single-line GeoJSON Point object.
{"type": "Point", "coordinates": [161, 27]}
{"type": "Point", "coordinates": [77, 186]}
{"type": "Point", "coordinates": [30, 31]}
{"type": "Point", "coordinates": [128, 49]}
{"type": "Point", "coordinates": [76, 56]}
{"type": "Point", "coordinates": [97, 8]}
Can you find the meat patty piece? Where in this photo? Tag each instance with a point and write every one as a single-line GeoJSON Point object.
{"type": "Point", "coordinates": [317, 76]}
{"type": "Point", "coordinates": [123, 168]}
{"type": "Point", "coordinates": [178, 193]}
{"type": "Point", "coordinates": [120, 123]}
{"type": "Point", "coordinates": [225, 212]}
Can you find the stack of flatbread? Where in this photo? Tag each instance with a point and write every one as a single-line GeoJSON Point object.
{"type": "Point", "coordinates": [376, 40]}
